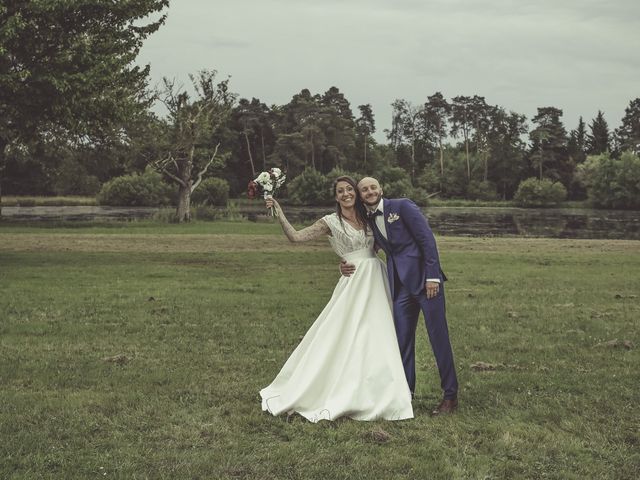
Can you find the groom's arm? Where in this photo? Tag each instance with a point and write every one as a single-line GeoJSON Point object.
{"type": "Point", "coordinates": [347, 269]}
{"type": "Point", "coordinates": [418, 226]}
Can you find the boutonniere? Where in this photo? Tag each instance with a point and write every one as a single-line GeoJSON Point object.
{"type": "Point", "coordinates": [393, 217]}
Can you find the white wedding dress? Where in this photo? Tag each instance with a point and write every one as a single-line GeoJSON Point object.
{"type": "Point", "coordinates": [348, 364]}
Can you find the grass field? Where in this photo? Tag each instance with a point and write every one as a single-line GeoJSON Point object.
{"type": "Point", "coordinates": [137, 351]}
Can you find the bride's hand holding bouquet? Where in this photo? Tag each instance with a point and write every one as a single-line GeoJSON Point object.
{"type": "Point", "coordinates": [267, 183]}
{"type": "Point", "coordinates": [272, 205]}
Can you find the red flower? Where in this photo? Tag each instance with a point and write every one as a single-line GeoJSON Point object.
{"type": "Point", "coordinates": [252, 190]}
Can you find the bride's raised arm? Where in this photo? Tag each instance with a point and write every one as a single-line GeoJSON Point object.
{"type": "Point", "coordinates": [316, 230]}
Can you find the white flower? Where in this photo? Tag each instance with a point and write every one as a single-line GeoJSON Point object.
{"type": "Point", "coordinates": [276, 171]}
{"type": "Point", "coordinates": [263, 178]}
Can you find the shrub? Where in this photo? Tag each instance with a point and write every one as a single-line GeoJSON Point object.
{"type": "Point", "coordinates": [310, 188]}
{"type": "Point", "coordinates": [395, 183]}
{"type": "Point", "coordinates": [484, 190]}
{"type": "Point", "coordinates": [420, 196]}
{"type": "Point", "coordinates": [146, 190]}
{"type": "Point", "coordinates": [212, 192]}
{"type": "Point", "coordinates": [610, 182]}
{"type": "Point", "coordinates": [539, 193]}
{"type": "Point", "coordinates": [72, 179]}
{"type": "Point", "coordinates": [453, 183]}
{"type": "Point", "coordinates": [338, 172]}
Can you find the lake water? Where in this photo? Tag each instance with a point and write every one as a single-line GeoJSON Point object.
{"type": "Point", "coordinates": [466, 221]}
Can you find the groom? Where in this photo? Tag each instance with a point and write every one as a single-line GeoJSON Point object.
{"type": "Point", "coordinates": [416, 281]}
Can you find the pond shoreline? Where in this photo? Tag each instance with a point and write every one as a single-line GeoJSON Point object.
{"type": "Point", "coordinates": [460, 221]}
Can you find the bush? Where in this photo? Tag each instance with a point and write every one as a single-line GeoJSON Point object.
{"type": "Point", "coordinates": [610, 182]}
{"type": "Point", "coordinates": [310, 188]}
{"type": "Point", "coordinates": [338, 172]}
{"type": "Point", "coordinates": [146, 190]}
{"type": "Point", "coordinates": [453, 183]}
{"type": "Point", "coordinates": [212, 192]}
{"type": "Point", "coordinates": [72, 179]}
{"type": "Point", "coordinates": [395, 183]}
{"type": "Point", "coordinates": [484, 190]}
{"type": "Point", "coordinates": [420, 196]}
{"type": "Point", "coordinates": [539, 193]}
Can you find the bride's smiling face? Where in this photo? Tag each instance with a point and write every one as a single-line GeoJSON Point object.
{"type": "Point", "coordinates": [345, 194]}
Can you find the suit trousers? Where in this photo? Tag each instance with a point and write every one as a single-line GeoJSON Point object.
{"type": "Point", "coordinates": [406, 310]}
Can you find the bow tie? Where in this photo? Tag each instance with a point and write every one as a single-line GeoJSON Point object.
{"type": "Point", "coordinates": [374, 214]}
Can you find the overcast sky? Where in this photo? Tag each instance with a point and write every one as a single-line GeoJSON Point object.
{"type": "Point", "coordinates": [578, 55]}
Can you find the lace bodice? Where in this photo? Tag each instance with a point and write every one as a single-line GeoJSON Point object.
{"type": "Point", "coordinates": [345, 238]}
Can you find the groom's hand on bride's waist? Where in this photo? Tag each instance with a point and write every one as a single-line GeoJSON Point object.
{"type": "Point", "coordinates": [347, 269]}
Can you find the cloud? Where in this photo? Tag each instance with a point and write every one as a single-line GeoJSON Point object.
{"type": "Point", "coordinates": [578, 55]}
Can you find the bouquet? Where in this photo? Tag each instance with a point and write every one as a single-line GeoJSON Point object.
{"type": "Point", "coordinates": [267, 183]}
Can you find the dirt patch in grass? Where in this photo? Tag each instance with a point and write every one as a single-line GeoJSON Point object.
{"type": "Point", "coordinates": [536, 245]}
{"type": "Point", "coordinates": [162, 243]}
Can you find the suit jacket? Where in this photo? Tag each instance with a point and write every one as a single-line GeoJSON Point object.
{"type": "Point", "coordinates": [412, 255]}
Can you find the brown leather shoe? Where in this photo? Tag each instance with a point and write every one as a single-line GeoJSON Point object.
{"type": "Point", "coordinates": [446, 407]}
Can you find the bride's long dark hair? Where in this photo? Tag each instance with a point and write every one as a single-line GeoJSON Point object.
{"type": "Point", "coordinates": [361, 211]}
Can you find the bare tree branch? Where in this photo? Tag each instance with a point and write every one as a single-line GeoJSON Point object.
{"type": "Point", "coordinates": [177, 179]}
{"type": "Point", "coordinates": [204, 170]}
{"type": "Point", "coordinates": [161, 166]}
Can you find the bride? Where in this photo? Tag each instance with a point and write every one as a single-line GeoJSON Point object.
{"type": "Point", "coordinates": [348, 364]}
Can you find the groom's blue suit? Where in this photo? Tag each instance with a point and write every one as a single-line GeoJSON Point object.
{"type": "Point", "coordinates": [412, 258]}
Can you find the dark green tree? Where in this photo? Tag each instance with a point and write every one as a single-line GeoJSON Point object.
{"type": "Point", "coordinates": [598, 140]}
{"type": "Point", "coordinates": [549, 145]}
{"type": "Point", "coordinates": [66, 68]}
{"type": "Point", "coordinates": [577, 151]}
{"type": "Point", "coordinates": [365, 127]}
{"type": "Point", "coordinates": [411, 137]}
{"type": "Point", "coordinates": [338, 126]}
{"type": "Point", "coordinates": [253, 120]}
{"type": "Point", "coordinates": [628, 134]}
{"type": "Point", "coordinates": [436, 113]}
{"type": "Point", "coordinates": [462, 120]}
{"type": "Point", "coordinates": [577, 145]}
{"type": "Point", "coordinates": [300, 136]}
{"type": "Point", "coordinates": [482, 114]}
{"type": "Point", "coordinates": [315, 131]}
{"type": "Point", "coordinates": [398, 112]}
{"type": "Point", "coordinates": [506, 150]}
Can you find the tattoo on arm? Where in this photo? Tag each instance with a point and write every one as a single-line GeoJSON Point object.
{"type": "Point", "coordinates": [309, 233]}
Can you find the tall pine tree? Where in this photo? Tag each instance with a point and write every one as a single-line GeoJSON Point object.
{"type": "Point", "coordinates": [549, 154]}
{"type": "Point", "coordinates": [628, 133]}
{"type": "Point", "coordinates": [577, 146]}
{"type": "Point", "coordinates": [598, 140]}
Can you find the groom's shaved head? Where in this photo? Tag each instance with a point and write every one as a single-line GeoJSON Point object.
{"type": "Point", "coordinates": [368, 181]}
{"type": "Point", "coordinates": [370, 191]}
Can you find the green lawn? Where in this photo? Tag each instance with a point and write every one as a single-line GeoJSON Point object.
{"type": "Point", "coordinates": [138, 352]}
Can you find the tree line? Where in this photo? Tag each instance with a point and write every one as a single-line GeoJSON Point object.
{"type": "Point", "coordinates": [75, 113]}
